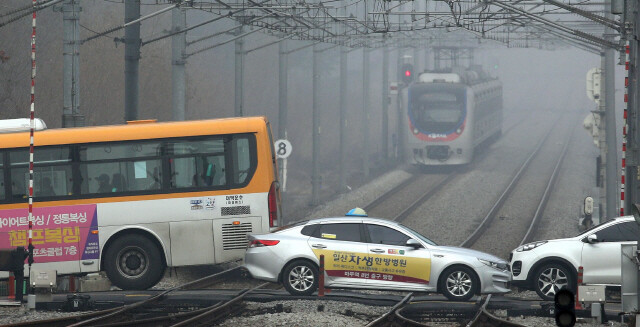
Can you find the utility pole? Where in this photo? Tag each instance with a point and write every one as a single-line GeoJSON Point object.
{"type": "Point", "coordinates": [315, 133]}
{"type": "Point", "coordinates": [179, 59]}
{"type": "Point", "coordinates": [365, 113]}
{"type": "Point", "coordinates": [239, 95]}
{"type": "Point", "coordinates": [282, 98]}
{"type": "Point", "coordinates": [400, 120]}
{"type": "Point", "coordinates": [71, 116]}
{"type": "Point", "coordinates": [131, 59]}
{"type": "Point", "coordinates": [385, 106]}
{"type": "Point", "coordinates": [343, 110]}
{"type": "Point", "coordinates": [343, 118]}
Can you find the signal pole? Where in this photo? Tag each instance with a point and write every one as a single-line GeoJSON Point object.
{"type": "Point", "coordinates": [131, 59]}
{"type": "Point", "coordinates": [179, 59]}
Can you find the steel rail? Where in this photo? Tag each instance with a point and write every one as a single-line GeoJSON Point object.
{"type": "Point", "coordinates": [388, 193]}
{"type": "Point", "coordinates": [111, 314]}
{"type": "Point", "coordinates": [404, 321]}
{"type": "Point", "coordinates": [484, 224]}
{"type": "Point", "coordinates": [177, 317]}
{"type": "Point", "coordinates": [547, 192]}
{"type": "Point", "coordinates": [407, 211]}
{"type": "Point", "coordinates": [485, 319]}
{"type": "Point", "coordinates": [388, 317]}
{"type": "Point", "coordinates": [211, 315]}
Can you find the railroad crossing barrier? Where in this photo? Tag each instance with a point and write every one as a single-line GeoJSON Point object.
{"type": "Point", "coordinates": [580, 273]}
{"type": "Point", "coordinates": [321, 288]}
{"type": "Point", "coordinates": [13, 261]}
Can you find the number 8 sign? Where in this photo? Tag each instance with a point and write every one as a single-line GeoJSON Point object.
{"type": "Point", "coordinates": [283, 148]}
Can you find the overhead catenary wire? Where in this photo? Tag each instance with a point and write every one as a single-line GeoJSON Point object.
{"type": "Point", "coordinates": [35, 8]}
{"type": "Point", "coordinates": [231, 13]}
{"type": "Point", "coordinates": [111, 30]}
{"type": "Point", "coordinates": [224, 42]}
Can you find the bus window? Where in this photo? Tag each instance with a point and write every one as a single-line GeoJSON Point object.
{"type": "Point", "coordinates": [51, 173]}
{"type": "Point", "coordinates": [197, 163]}
{"type": "Point", "coordinates": [121, 176]}
{"type": "Point", "coordinates": [47, 181]}
{"type": "Point", "coordinates": [242, 159]}
{"type": "Point", "coordinates": [120, 167]}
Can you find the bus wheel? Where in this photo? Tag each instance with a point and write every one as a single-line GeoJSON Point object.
{"type": "Point", "coordinates": [133, 262]}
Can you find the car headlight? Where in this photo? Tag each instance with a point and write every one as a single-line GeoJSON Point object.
{"type": "Point", "coordinates": [494, 265]}
{"type": "Point", "coordinates": [530, 246]}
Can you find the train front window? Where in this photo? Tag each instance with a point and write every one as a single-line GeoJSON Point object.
{"type": "Point", "coordinates": [437, 112]}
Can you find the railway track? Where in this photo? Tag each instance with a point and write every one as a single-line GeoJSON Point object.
{"type": "Point", "coordinates": [151, 312]}
{"type": "Point", "coordinates": [402, 315]}
{"type": "Point", "coordinates": [485, 319]}
{"type": "Point", "coordinates": [487, 221]}
{"type": "Point", "coordinates": [436, 183]}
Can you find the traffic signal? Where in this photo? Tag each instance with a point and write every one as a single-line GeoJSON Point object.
{"type": "Point", "coordinates": [406, 73]}
{"type": "Point", "coordinates": [565, 308]}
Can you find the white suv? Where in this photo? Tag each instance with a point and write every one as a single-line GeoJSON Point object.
{"type": "Point", "coordinates": [547, 266]}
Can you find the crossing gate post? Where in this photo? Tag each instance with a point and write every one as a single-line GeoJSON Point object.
{"type": "Point", "coordinates": [580, 273]}
{"type": "Point", "coordinates": [321, 277]}
{"type": "Point", "coordinates": [12, 286]}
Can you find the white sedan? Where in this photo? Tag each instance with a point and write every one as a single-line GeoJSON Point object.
{"type": "Point", "coordinates": [371, 253]}
{"type": "Point", "coordinates": [548, 266]}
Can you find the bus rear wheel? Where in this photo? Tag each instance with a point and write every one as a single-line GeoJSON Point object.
{"type": "Point", "coordinates": [134, 262]}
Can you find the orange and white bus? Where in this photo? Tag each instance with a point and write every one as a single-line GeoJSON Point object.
{"type": "Point", "coordinates": [134, 199]}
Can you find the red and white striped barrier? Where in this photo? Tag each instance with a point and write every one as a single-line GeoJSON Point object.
{"type": "Point", "coordinates": [578, 304]}
{"type": "Point", "coordinates": [624, 128]}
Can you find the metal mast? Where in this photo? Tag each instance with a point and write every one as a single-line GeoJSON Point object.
{"type": "Point", "coordinates": [131, 59]}
{"type": "Point", "coordinates": [179, 59]}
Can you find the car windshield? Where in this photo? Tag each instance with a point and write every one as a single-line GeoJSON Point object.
{"type": "Point", "coordinates": [420, 236]}
{"type": "Point", "coordinates": [594, 227]}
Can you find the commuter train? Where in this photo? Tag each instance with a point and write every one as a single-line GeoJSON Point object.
{"type": "Point", "coordinates": [450, 114]}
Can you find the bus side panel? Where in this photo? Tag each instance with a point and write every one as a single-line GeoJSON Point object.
{"type": "Point", "coordinates": [192, 242]}
{"type": "Point", "coordinates": [192, 230]}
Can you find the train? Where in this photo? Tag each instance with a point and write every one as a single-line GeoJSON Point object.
{"type": "Point", "coordinates": [450, 115]}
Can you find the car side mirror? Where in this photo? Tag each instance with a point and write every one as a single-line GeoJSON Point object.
{"type": "Point", "coordinates": [413, 243]}
{"type": "Point", "coordinates": [591, 239]}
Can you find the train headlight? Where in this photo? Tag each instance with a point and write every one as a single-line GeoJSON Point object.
{"type": "Point", "coordinates": [459, 131]}
{"type": "Point", "coordinates": [415, 131]}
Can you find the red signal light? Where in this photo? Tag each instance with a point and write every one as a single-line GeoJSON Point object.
{"type": "Point", "coordinates": [407, 73]}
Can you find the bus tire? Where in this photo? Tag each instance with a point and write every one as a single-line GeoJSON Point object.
{"type": "Point", "coordinates": [134, 262]}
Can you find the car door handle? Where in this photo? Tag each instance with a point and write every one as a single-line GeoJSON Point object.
{"type": "Point", "coordinates": [377, 250]}
{"type": "Point", "coordinates": [319, 246]}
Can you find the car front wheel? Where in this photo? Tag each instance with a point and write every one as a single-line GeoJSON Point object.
{"type": "Point", "coordinates": [551, 278]}
{"type": "Point", "coordinates": [300, 277]}
{"type": "Point", "coordinates": [458, 283]}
